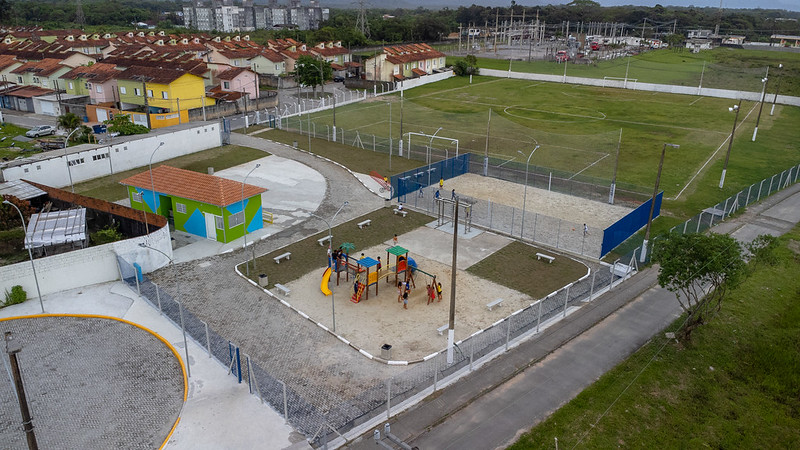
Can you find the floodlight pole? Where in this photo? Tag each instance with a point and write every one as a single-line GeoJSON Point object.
{"type": "Point", "coordinates": [643, 255]}
{"type": "Point", "coordinates": [777, 88]}
{"type": "Point", "coordinates": [730, 142]}
{"type": "Point", "coordinates": [330, 242]}
{"type": "Point", "coordinates": [451, 325]}
{"type": "Point", "coordinates": [613, 189]}
{"type": "Point", "coordinates": [30, 254]}
{"type": "Point", "coordinates": [764, 80]}
{"type": "Point", "coordinates": [66, 158]}
{"type": "Point", "coordinates": [153, 186]}
{"type": "Point", "coordinates": [525, 195]}
{"type": "Point", "coordinates": [390, 132]}
{"type": "Point", "coordinates": [244, 223]}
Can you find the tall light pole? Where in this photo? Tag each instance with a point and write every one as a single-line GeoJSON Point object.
{"type": "Point", "coordinates": [30, 254]}
{"type": "Point", "coordinates": [244, 221]}
{"type": "Point", "coordinates": [525, 194]}
{"type": "Point", "coordinates": [330, 242]}
{"type": "Point", "coordinates": [152, 186]}
{"type": "Point", "coordinates": [764, 80]}
{"type": "Point", "coordinates": [69, 171]}
{"type": "Point", "coordinates": [430, 145]}
{"type": "Point", "coordinates": [451, 323]}
{"type": "Point", "coordinates": [730, 141]}
{"type": "Point", "coordinates": [177, 285]}
{"type": "Point", "coordinates": [390, 134]}
{"type": "Point", "coordinates": [643, 255]}
{"type": "Point", "coordinates": [775, 99]}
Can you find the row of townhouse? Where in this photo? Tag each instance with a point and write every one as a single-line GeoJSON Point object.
{"type": "Point", "coordinates": [399, 62]}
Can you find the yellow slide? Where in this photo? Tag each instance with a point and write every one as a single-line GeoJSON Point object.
{"type": "Point", "coordinates": [323, 286]}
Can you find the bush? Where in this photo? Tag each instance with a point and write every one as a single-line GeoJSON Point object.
{"type": "Point", "coordinates": [17, 295]}
{"type": "Point", "coordinates": [106, 235]}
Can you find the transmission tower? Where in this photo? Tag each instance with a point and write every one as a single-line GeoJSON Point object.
{"type": "Point", "coordinates": [80, 19]}
{"type": "Point", "coordinates": [361, 23]}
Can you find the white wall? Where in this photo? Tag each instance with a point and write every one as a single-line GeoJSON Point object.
{"type": "Point", "coordinates": [414, 82]}
{"type": "Point", "coordinates": [50, 168]}
{"type": "Point", "coordinates": [87, 266]}
{"type": "Point", "coordinates": [639, 86]}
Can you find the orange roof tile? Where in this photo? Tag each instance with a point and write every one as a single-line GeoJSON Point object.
{"type": "Point", "coordinates": [193, 185]}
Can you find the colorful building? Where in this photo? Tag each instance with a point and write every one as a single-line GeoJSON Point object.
{"type": "Point", "coordinates": [167, 90]}
{"type": "Point", "coordinates": [204, 205]}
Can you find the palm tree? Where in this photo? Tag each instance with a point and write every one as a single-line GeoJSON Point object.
{"type": "Point", "coordinates": [69, 121]}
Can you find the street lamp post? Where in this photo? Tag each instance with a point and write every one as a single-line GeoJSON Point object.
{"type": "Point", "coordinates": [152, 186]}
{"type": "Point", "coordinates": [244, 223]}
{"type": "Point", "coordinates": [730, 142]}
{"type": "Point", "coordinates": [525, 194]}
{"type": "Point", "coordinates": [69, 171]}
{"type": "Point", "coordinates": [777, 88]}
{"type": "Point", "coordinates": [30, 254]}
{"type": "Point", "coordinates": [643, 255]}
{"type": "Point", "coordinates": [764, 80]}
{"type": "Point", "coordinates": [330, 242]}
{"type": "Point", "coordinates": [178, 286]}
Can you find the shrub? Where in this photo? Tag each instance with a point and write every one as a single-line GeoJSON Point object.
{"type": "Point", "coordinates": [108, 234]}
{"type": "Point", "coordinates": [17, 295]}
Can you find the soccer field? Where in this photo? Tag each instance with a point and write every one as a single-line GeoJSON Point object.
{"type": "Point", "coordinates": [578, 129]}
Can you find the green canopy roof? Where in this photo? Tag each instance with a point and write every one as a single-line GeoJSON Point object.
{"type": "Point", "coordinates": [396, 250]}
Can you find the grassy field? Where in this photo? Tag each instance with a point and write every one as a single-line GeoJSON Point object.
{"type": "Point", "coordinates": [9, 132]}
{"type": "Point", "coordinates": [108, 187]}
{"type": "Point", "coordinates": [736, 385]}
{"type": "Point", "coordinates": [721, 68]}
{"type": "Point", "coordinates": [578, 128]}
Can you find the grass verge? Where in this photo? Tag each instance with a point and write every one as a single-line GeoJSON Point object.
{"type": "Point", "coordinates": [108, 187]}
{"type": "Point", "coordinates": [735, 385]}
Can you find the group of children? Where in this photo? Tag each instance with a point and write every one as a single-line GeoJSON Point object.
{"type": "Point", "coordinates": [434, 290]}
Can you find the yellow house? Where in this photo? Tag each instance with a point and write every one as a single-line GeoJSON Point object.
{"type": "Point", "coordinates": [166, 90]}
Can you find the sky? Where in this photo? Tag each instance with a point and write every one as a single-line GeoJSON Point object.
{"type": "Point", "coordinates": [792, 5]}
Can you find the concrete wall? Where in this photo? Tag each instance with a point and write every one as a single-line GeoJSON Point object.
{"type": "Point", "coordinates": [91, 265]}
{"type": "Point", "coordinates": [638, 86]}
{"type": "Point", "coordinates": [414, 82]}
{"type": "Point", "coordinates": [51, 168]}
{"type": "Point", "coordinates": [223, 109]}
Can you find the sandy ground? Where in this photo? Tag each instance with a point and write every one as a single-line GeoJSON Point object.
{"type": "Point", "coordinates": [597, 215]}
{"type": "Point", "coordinates": [412, 333]}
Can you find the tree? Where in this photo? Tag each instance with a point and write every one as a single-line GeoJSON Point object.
{"type": "Point", "coordinates": [69, 121]}
{"type": "Point", "coordinates": [313, 72]}
{"type": "Point", "coordinates": [9, 217]}
{"type": "Point", "coordinates": [699, 269]}
{"type": "Point", "coordinates": [466, 66]}
{"type": "Point", "coordinates": [121, 123]}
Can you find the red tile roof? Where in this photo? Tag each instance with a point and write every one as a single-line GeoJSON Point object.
{"type": "Point", "coordinates": [43, 68]}
{"type": "Point", "coordinates": [96, 73]}
{"type": "Point", "coordinates": [28, 91]}
{"type": "Point", "coordinates": [193, 186]}
{"type": "Point", "coordinates": [232, 73]}
{"type": "Point", "coordinates": [151, 74]}
{"type": "Point", "coordinates": [419, 72]}
{"type": "Point", "coordinates": [400, 54]}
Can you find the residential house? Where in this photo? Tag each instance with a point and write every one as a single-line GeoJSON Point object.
{"type": "Point", "coordinates": [404, 61]}
{"type": "Point", "coordinates": [239, 79]}
{"type": "Point", "coordinates": [166, 89]}
{"type": "Point", "coordinates": [7, 64]}
{"type": "Point", "coordinates": [44, 73]}
{"type": "Point", "coordinates": [98, 81]}
{"type": "Point", "coordinates": [204, 205]}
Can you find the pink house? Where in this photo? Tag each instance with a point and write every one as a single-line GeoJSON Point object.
{"type": "Point", "coordinates": [97, 81]}
{"type": "Point", "coordinates": [239, 79]}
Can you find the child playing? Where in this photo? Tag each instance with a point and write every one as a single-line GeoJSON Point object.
{"type": "Point", "coordinates": [439, 291]}
{"type": "Point", "coordinates": [405, 300]}
{"type": "Point", "coordinates": [399, 291]}
{"type": "Point", "coordinates": [431, 294]}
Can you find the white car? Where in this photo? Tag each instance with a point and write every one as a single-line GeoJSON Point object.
{"type": "Point", "coordinates": [40, 130]}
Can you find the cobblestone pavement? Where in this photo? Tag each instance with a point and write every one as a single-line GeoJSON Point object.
{"type": "Point", "coordinates": [91, 383]}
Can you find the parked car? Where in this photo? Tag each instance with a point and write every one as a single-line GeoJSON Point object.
{"type": "Point", "coordinates": [40, 130]}
{"type": "Point", "coordinates": [338, 79]}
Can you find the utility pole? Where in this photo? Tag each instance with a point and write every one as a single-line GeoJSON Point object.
{"type": "Point", "coordinates": [12, 348]}
{"type": "Point", "coordinates": [451, 327]}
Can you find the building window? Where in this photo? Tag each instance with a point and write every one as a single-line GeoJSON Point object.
{"type": "Point", "coordinates": [25, 170]}
{"type": "Point", "coordinates": [45, 83]}
{"type": "Point", "coordinates": [150, 93]}
{"type": "Point", "coordinates": [277, 67]}
{"type": "Point", "coordinates": [226, 85]}
{"type": "Point", "coordinates": [75, 162]}
{"type": "Point", "coordinates": [71, 85]}
{"type": "Point", "coordinates": [137, 91]}
{"type": "Point", "coordinates": [180, 207]}
{"type": "Point", "coordinates": [36, 79]}
{"type": "Point", "coordinates": [236, 219]}
{"type": "Point", "coordinates": [137, 197]}
{"type": "Point", "coordinates": [219, 223]}
{"type": "Point", "coordinates": [98, 89]}
{"type": "Point", "coordinates": [86, 86]}
{"type": "Point", "coordinates": [19, 80]}
{"type": "Point", "coordinates": [122, 90]}
{"type": "Point", "coordinates": [164, 95]}
{"type": "Point", "coordinates": [38, 167]}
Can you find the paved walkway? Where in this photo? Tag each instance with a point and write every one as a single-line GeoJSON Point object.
{"type": "Point", "coordinates": [493, 405]}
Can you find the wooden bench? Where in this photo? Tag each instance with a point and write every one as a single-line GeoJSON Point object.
{"type": "Point", "coordinates": [286, 256]}
{"type": "Point", "coordinates": [323, 239]}
{"type": "Point", "coordinates": [441, 329]}
{"type": "Point", "coordinates": [363, 224]}
{"type": "Point", "coordinates": [400, 211]}
{"type": "Point", "coordinates": [283, 289]}
{"type": "Point", "coordinates": [549, 258]}
{"type": "Point", "coordinates": [494, 303]}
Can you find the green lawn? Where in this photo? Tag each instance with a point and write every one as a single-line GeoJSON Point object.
{"type": "Point", "coordinates": [9, 132]}
{"type": "Point", "coordinates": [108, 187]}
{"type": "Point", "coordinates": [736, 385]}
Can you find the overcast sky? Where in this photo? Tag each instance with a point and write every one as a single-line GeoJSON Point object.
{"type": "Point", "coordinates": [793, 5]}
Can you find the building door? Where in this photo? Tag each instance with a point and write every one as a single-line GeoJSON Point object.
{"type": "Point", "coordinates": [102, 115]}
{"type": "Point", "coordinates": [211, 228]}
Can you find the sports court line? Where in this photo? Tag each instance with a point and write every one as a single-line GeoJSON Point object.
{"type": "Point", "coordinates": [698, 99]}
{"type": "Point", "coordinates": [533, 85]}
{"type": "Point", "coordinates": [459, 88]}
{"type": "Point", "coordinates": [587, 167]}
{"type": "Point", "coordinates": [712, 156]}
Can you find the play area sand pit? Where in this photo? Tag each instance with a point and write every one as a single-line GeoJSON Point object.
{"type": "Point", "coordinates": [412, 333]}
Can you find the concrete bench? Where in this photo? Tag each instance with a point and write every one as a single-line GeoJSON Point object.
{"type": "Point", "coordinates": [323, 239]}
{"type": "Point", "coordinates": [549, 258]}
{"type": "Point", "coordinates": [494, 303]}
{"type": "Point", "coordinates": [286, 256]}
{"type": "Point", "coordinates": [363, 224]}
{"type": "Point", "coordinates": [400, 211]}
{"type": "Point", "coordinates": [283, 289]}
{"type": "Point", "coordinates": [441, 329]}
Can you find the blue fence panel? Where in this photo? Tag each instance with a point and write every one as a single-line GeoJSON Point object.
{"type": "Point", "coordinates": [625, 227]}
{"type": "Point", "coordinates": [429, 175]}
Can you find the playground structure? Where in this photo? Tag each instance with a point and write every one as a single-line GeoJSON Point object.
{"type": "Point", "coordinates": [446, 211]}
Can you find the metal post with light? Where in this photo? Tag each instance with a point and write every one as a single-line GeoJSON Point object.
{"type": "Point", "coordinates": [525, 194]}
{"type": "Point", "coordinates": [777, 88]}
{"type": "Point", "coordinates": [730, 142]}
{"type": "Point", "coordinates": [30, 254]}
{"type": "Point", "coordinates": [66, 157]}
{"type": "Point", "coordinates": [390, 134]}
{"type": "Point", "coordinates": [330, 242]}
{"type": "Point", "coordinates": [643, 255]}
{"type": "Point", "coordinates": [764, 80]}
{"type": "Point", "coordinates": [244, 222]}
{"type": "Point", "coordinates": [12, 348]}
{"type": "Point", "coordinates": [152, 186]}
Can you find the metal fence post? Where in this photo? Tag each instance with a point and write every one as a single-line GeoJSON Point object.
{"type": "Point", "coordinates": [249, 374]}
{"type": "Point", "coordinates": [285, 402]}
{"type": "Point", "coordinates": [136, 277]}
{"type": "Point", "coordinates": [725, 208]}
{"type": "Point", "coordinates": [208, 340]}
{"type": "Point", "coordinates": [747, 200]}
{"type": "Point", "coordinates": [239, 365]}
{"type": "Point", "coordinates": [508, 331]}
{"type": "Point", "coordinates": [539, 319]}
{"type": "Point", "coordinates": [699, 220]}
{"type": "Point", "coordinates": [566, 298]}
{"type": "Point", "coordinates": [490, 214]}
{"type": "Point", "coordinates": [685, 224]}
{"type": "Point", "coordinates": [471, 353]}
{"type": "Point", "coordinates": [591, 288]}
{"type": "Point", "coordinates": [388, 398]}
{"type": "Point", "coordinates": [770, 186]}
{"type": "Point", "coordinates": [185, 344]}
{"type": "Point", "coordinates": [158, 299]}
{"type": "Point", "coordinates": [435, 373]}
{"type": "Point", "coordinates": [761, 185]}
